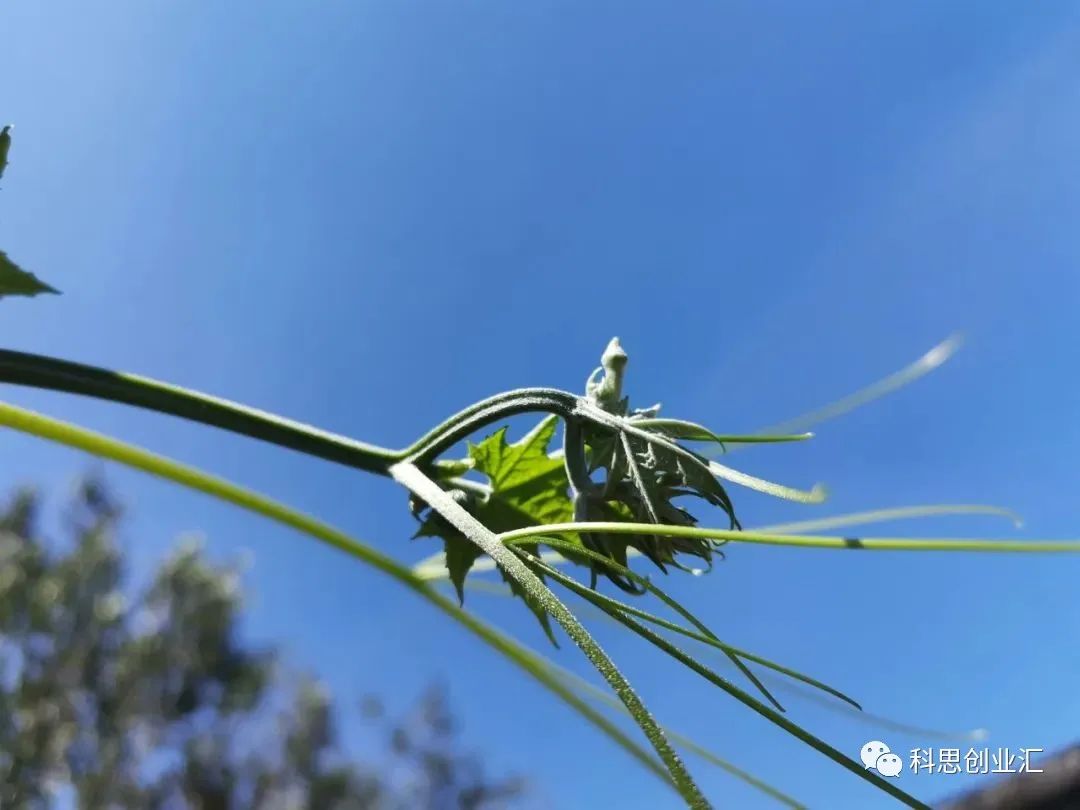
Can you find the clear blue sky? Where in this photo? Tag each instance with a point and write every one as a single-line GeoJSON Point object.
{"type": "Point", "coordinates": [366, 215]}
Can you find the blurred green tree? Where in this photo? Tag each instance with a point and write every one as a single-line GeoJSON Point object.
{"type": "Point", "coordinates": [117, 697]}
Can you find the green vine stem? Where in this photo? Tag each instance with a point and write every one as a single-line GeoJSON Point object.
{"type": "Point", "coordinates": [51, 373]}
{"type": "Point", "coordinates": [561, 400]}
{"type": "Point", "coordinates": [412, 478]}
{"type": "Point", "coordinates": [805, 541]}
{"type": "Point", "coordinates": [434, 566]}
{"type": "Point", "coordinates": [131, 389]}
{"type": "Point", "coordinates": [461, 425]}
{"type": "Point", "coordinates": [54, 430]}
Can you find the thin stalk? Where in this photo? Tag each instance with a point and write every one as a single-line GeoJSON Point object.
{"type": "Point", "coordinates": [693, 432]}
{"type": "Point", "coordinates": [805, 541]}
{"type": "Point", "coordinates": [871, 718]}
{"type": "Point", "coordinates": [763, 438]}
{"type": "Point", "coordinates": [898, 379]}
{"type": "Point", "coordinates": [106, 447]}
{"type": "Point", "coordinates": [894, 513]}
{"type": "Point", "coordinates": [434, 566]}
{"type": "Point", "coordinates": [706, 636]}
{"type": "Point", "coordinates": [776, 717]}
{"type": "Point", "coordinates": [816, 494]}
{"type": "Point", "coordinates": [434, 496]}
{"type": "Point", "coordinates": [600, 600]}
{"type": "Point", "coordinates": [850, 711]}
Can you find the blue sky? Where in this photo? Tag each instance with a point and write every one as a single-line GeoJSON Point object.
{"type": "Point", "coordinates": [367, 215]}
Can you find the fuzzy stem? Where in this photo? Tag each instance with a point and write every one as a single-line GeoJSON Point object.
{"type": "Point", "coordinates": [557, 400]}
{"type": "Point", "coordinates": [470, 420]}
{"type": "Point", "coordinates": [413, 479]}
{"type": "Point", "coordinates": [584, 687]}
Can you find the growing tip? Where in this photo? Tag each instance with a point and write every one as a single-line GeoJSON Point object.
{"type": "Point", "coordinates": [614, 357]}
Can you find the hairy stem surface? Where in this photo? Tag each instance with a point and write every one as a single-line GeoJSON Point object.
{"type": "Point", "coordinates": [409, 476]}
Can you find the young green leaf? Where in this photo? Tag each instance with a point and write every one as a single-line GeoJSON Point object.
{"type": "Point", "coordinates": [459, 553]}
{"type": "Point", "coordinates": [526, 487]}
{"type": "Point", "coordinates": [643, 469]}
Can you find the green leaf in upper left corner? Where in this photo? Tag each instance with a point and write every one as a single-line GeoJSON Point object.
{"type": "Point", "coordinates": [16, 281]}
{"type": "Point", "coordinates": [13, 279]}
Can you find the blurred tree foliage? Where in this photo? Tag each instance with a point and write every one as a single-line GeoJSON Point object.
{"type": "Point", "coordinates": [112, 697]}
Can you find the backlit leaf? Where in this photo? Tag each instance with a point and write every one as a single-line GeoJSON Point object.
{"type": "Point", "coordinates": [527, 488]}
